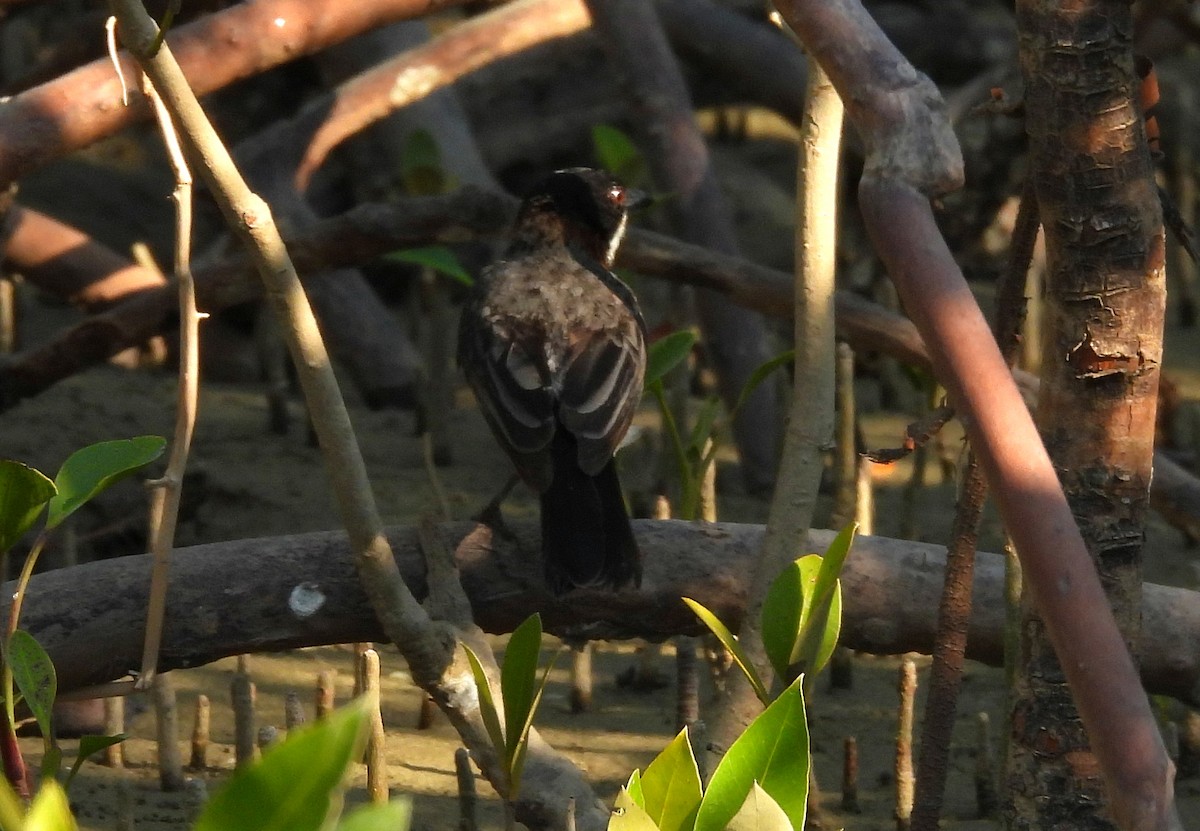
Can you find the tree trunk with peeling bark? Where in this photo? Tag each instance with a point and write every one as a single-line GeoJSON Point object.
{"type": "Point", "coordinates": [1105, 298]}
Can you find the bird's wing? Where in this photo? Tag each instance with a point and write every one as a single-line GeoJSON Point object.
{"type": "Point", "coordinates": [601, 386]}
{"type": "Point", "coordinates": [513, 396]}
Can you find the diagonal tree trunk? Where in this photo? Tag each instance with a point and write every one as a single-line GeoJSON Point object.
{"type": "Point", "coordinates": [1105, 295]}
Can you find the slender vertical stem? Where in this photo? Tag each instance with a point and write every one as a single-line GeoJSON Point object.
{"type": "Point", "coordinates": [326, 693]}
{"type": "Point", "coordinates": [850, 776]}
{"type": "Point", "coordinates": [166, 714]}
{"type": "Point", "coordinates": [581, 677]}
{"type": "Point", "coordinates": [293, 711]}
{"type": "Point", "coordinates": [200, 726]}
{"type": "Point", "coordinates": [905, 778]}
{"type": "Point", "coordinates": [114, 724]}
{"type": "Point", "coordinates": [465, 774]}
{"type": "Point", "coordinates": [242, 695]}
{"type": "Point", "coordinates": [167, 499]}
{"type": "Point", "coordinates": [377, 779]}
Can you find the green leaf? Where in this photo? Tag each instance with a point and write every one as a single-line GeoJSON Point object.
{"type": "Point", "coordinates": [487, 703]}
{"type": "Point", "coordinates": [12, 810]}
{"type": "Point", "coordinates": [421, 167]}
{"type": "Point", "coordinates": [518, 677]}
{"type": "Point", "coordinates": [33, 672]}
{"type": "Point", "coordinates": [297, 785]}
{"type": "Point", "coordinates": [671, 786]}
{"type": "Point", "coordinates": [781, 613]}
{"type": "Point", "coordinates": [703, 430]}
{"type": "Point", "coordinates": [50, 810]}
{"type": "Point", "coordinates": [89, 746]}
{"type": "Point", "coordinates": [392, 816]}
{"type": "Point", "coordinates": [437, 257]}
{"type": "Point", "coordinates": [51, 759]}
{"type": "Point", "coordinates": [666, 352]}
{"type": "Point", "coordinates": [730, 642]}
{"type": "Point", "coordinates": [821, 622]}
{"type": "Point", "coordinates": [634, 788]}
{"type": "Point", "coordinates": [759, 813]}
{"type": "Point", "coordinates": [772, 751]}
{"type": "Point", "coordinates": [522, 745]}
{"type": "Point", "coordinates": [23, 493]}
{"type": "Point", "coordinates": [617, 153]}
{"type": "Point", "coordinates": [627, 815]}
{"type": "Point", "coordinates": [90, 470]}
{"type": "Point", "coordinates": [758, 376]}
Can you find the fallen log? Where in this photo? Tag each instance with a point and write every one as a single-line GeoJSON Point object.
{"type": "Point", "coordinates": [268, 594]}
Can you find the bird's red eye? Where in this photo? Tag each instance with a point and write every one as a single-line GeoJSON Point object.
{"type": "Point", "coordinates": [617, 195]}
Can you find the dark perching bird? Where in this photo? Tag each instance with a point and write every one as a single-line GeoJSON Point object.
{"type": "Point", "coordinates": [554, 346]}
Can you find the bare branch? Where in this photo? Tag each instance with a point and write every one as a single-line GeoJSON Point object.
{"type": "Point", "coordinates": [277, 593]}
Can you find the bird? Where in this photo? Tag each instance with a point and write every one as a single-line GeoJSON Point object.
{"type": "Point", "coordinates": [553, 345]}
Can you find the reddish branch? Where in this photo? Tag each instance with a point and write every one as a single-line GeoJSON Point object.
{"type": "Point", "coordinates": [69, 264]}
{"type": "Point", "coordinates": [954, 608]}
{"type": "Point", "coordinates": [912, 155]}
{"type": "Point", "coordinates": [370, 96]}
{"type": "Point", "coordinates": [83, 106]}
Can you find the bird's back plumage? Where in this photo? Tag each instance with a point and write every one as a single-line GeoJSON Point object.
{"type": "Point", "coordinates": [554, 346]}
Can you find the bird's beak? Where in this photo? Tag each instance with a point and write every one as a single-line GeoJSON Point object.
{"type": "Point", "coordinates": [635, 198]}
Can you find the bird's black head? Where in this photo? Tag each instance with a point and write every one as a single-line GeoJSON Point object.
{"type": "Point", "coordinates": [582, 206]}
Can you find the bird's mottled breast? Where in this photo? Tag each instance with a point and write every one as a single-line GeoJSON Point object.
{"type": "Point", "coordinates": [543, 297]}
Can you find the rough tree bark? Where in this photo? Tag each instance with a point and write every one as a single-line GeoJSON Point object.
{"type": "Point", "coordinates": [912, 155]}
{"type": "Point", "coordinates": [1105, 297]}
{"type": "Point", "coordinates": [273, 593]}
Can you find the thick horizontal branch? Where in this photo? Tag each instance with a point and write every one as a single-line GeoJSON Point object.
{"type": "Point", "coordinates": [370, 230]}
{"type": "Point", "coordinates": [285, 592]}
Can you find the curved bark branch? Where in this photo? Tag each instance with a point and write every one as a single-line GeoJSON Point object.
{"type": "Point", "coordinates": [83, 106]}
{"type": "Point", "coordinates": [268, 594]}
{"type": "Point", "coordinates": [912, 155]}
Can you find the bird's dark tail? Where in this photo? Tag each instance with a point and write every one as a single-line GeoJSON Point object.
{"type": "Point", "coordinates": [586, 536]}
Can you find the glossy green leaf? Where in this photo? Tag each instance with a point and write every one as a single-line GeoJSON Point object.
{"type": "Point", "coordinates": [518, 679]}
{"type": "Point", "coordinates": [517, 765]}
{"type": "Point", "coordinates": [617, 153]}
{"type": "Point", "coordinates": [772, 751]}
{"type": "Point", "coordinates": [437, 257]}
{"type": "Point", "coordinates": [760, 374]}
{"type": "Point", "coordinates": [781, 612]}
{"type": "Point", "coordinates": [671, 786]}
{"type": "Point", "coordinates": [23, 493]}
{"type": "Point", "coordinates": [391, 816]}
{"type": "Point", "coordinates": [50, 810]}
{"type": "Point", "coordinates": [800, 621]}
{"type": "Point", "coordinates": [634, 788]}
{"type": "Point", "coordinates": [34, 675]}
{"type": "Point", "coordinates": [667, 352]}
{"type": "Point", "coordinates": [89, 746]}
{"type": "Point", "coordinates": [821, 622]}
{"type": "Point", "coordinates": [297, 785]}
{"type": "Point", "coordinates": [730, 642]}
{"type": "Point", "coordinates": [759, 813]}
{"type": "Point", "coordinates": [820, 625]}
{"type": "Point", "coordinates": [90, 470]}
{"type": "Point", "coordinates": [627, 815]}
{"type": "Point", "coordinates": [487, 702]}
